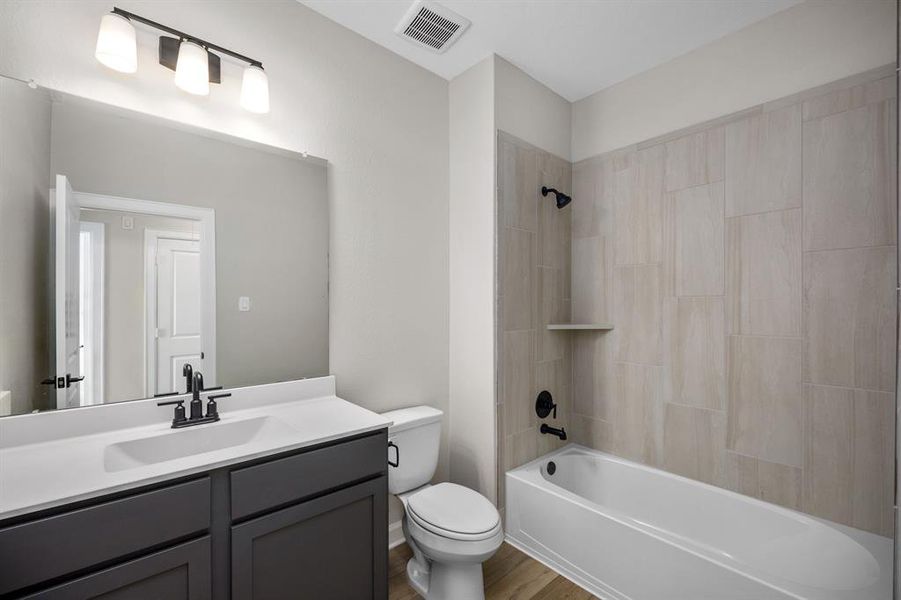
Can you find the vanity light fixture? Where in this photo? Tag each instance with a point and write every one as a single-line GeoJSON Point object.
{"type": "Point", "coordinates": [192, 59]}
{"type": "Point", "coordinates": [192, 71]}
{"type": "Point", "coordinates": [255, 90]}
{"type": "Point", "coordinates": [116, 45]}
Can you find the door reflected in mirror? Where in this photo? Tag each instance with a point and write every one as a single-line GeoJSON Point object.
{"type": "Point", "coordinates": [139, 246]}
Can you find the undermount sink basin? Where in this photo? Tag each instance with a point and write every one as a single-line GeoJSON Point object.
{"type": "Point", "coordinates": [192, 441]}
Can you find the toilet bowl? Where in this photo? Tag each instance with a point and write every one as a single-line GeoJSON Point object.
{"type": "Point", "coordinates": [450, 528]}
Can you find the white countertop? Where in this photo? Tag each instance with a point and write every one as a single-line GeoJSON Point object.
{"type": "Point", "coordinates": [53, 472]}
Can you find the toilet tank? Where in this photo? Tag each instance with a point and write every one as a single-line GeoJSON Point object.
{"type": "Point", "coordinates": [417, 433]}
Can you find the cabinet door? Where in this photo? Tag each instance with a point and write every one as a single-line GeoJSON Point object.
{"type": "Point", "coordinates": [335, 546]}
{"type": "Point", "coordinates": [178, 573]}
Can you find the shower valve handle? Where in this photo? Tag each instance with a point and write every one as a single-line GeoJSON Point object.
{"type": "Point", "coordinates": [544, 404]}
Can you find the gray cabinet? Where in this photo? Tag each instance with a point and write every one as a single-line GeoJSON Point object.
{"type": "Point", "coordinates": [178, 573]}
{"type": "Point", "coordinates": [304, 524]}
{"type": "Point", "coordinates": [274, 483]}
{"type": "Point", "coordinates": [44, 549]}
{"type": "Point", "coordinates": [332, 547]}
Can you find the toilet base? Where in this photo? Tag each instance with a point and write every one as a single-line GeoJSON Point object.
{"type": "Point", "coordinates": [417, 577]}
{"type": "Point", "coordinates": [456, 581]}
{"type": "Point", "coordinates": [446, 581]}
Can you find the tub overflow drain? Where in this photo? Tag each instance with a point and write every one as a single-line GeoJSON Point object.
{"type": "Point", "coordinates": [551, 468]}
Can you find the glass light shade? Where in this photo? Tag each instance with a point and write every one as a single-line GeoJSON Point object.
{"type": "Point", "coordinates": [116, 44]}
{"type": "Point", "coordinates": [255, 90]}
{"type": "Point", "coordinates": [192, 71]}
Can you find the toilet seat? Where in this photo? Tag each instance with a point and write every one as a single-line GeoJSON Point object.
{"type": "Point", "coordinates": [438, 547]}
{"type": "Point", "coordinates": [454, 512]}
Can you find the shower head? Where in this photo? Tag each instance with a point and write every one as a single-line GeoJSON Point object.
{"type": "Point", "coordinates": [562, 199]}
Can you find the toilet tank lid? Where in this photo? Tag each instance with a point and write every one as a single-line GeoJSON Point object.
{"type": "Point", "coordinates": [405, 418]}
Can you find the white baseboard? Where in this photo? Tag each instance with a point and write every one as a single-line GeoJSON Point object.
{"type": "Point", "coordinates": [395, 534]}
{"type": "Point", "coordinates": [6, 403]}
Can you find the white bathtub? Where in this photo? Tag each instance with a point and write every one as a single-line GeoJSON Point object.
{"type": "Point", "coordinates": [626, 531]}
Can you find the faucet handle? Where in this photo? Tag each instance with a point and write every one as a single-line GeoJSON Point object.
{"type": "Point", "coordinates": [170, 402]}
{"type": "Point", "coordinates": [212, 409]}
{"type": "Point", "coordinates": [179, 411]}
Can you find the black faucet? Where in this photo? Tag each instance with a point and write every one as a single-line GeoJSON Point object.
{"type": "Point", "coordinates": [196, 404]}
{"type": "Point", "coordinates": [188, 372]}
{"type": "Point", "coordinates": [197, 417]}
{"type": "Point", "coordinates": [560, 433]}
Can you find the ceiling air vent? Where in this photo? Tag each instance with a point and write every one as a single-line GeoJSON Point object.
{"type": "Point", "coordinates": [431, 26]}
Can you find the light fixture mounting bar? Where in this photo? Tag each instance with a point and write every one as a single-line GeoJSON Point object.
{"type": "Point", "coordinates": [183, 35]}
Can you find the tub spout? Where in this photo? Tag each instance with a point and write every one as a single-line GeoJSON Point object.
{"type": "Point", "coordinates": [560, 433]}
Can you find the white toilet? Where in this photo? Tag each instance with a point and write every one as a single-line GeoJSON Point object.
{"type": "Point", "coordinates": [451, 529]}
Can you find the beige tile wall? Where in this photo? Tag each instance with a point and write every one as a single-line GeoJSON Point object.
{"type": "Point", "coordinates": [534, 265]}
{"type": "Point", "coordinates": [749, 269]}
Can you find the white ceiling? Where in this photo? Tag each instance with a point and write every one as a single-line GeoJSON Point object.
{"type": "Point", "coordinates": [575, 47]}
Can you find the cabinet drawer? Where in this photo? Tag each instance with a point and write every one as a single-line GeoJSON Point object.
{"type": "Point", "coordinates": [279, 482]}
{"type": "Point", "coordinates": [52, 547]}
{"type": "Point", "coordinates": [178, 573]}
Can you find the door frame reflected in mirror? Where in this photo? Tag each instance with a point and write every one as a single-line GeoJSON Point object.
{"type": "Point", "coordinates": [206, 219]}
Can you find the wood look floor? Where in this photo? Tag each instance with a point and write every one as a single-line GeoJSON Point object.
{"type": "Point", "coordinates": [509, 575]}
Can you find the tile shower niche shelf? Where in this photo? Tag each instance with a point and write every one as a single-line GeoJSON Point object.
{"type": "Point", "coordinates": [580, 326]}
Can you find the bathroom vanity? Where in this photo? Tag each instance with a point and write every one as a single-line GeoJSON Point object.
{"type": "Point", "coordinates": [156, 290]}
{"type": "Point", "coordinates": [284, 497]}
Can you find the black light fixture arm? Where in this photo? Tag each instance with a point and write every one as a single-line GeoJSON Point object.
{"type": "Point", "coordinates": [182, 35]}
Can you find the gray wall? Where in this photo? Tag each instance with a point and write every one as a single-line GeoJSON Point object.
{"type": "Point", "coordinates": [271, 228]}
{"type": "Point", "coordinates": [24, 235]}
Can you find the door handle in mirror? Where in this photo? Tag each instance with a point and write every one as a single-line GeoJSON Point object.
{"type": "Point", "coordinates": [57, 382]}
{"type": "Point", "coordinates": [70, 380]}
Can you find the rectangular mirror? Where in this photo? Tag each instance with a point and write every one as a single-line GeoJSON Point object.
{"type": "Point", "coordinates": [131, 246]}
